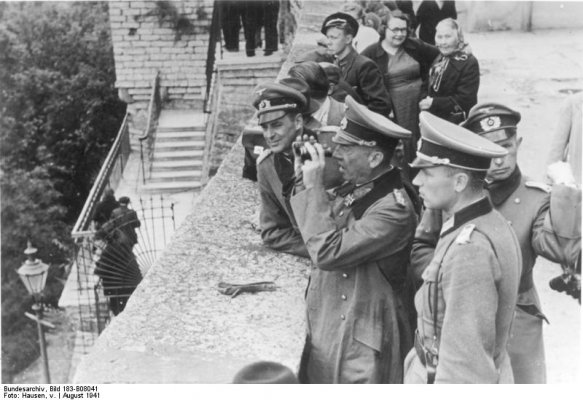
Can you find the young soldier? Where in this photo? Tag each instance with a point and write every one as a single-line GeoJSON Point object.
{"type": "Point", "coordinates": [358, 237]}
{"type": "Point", "coordinates": [525, 204]}
{"type": "Point", "coordinates": [465, 305]}
{"type": "Point", "coordinates": [361, 73]}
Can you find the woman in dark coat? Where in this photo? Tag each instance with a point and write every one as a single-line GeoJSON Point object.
{"type": "Point", "coordinates": [454, 77]}
{"type": "Point", "coordinates": [404, 63]}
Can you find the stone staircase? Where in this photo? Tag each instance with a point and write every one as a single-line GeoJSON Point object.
{"type": "Point", "coordinates": [178, 152]}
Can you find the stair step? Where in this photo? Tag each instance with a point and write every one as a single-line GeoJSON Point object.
{"type": "Point", "coordinates": [173, 155]}
{"type": "Point", "coordinates": [174, 175]}
{"type": "Point", "coordinates": [165, 129]}
{"type": "Point", "coordinates": [177, 186]}
{"type": "Point", "coordinates": [176, 165]}
{"type": "Point", "coordinates": [174, 135]}
{"type": "Point", "coordinates": [180, 144]}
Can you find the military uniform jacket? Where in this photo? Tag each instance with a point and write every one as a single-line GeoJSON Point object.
{"type": "Point", "coordinates": [278, 227]}
{"type": "Point", "coordinates": [475, 269]}
{"type": "Point", "coordinates": [363, 75]}
{"type": "Point", "coordinates": [525, 204]}
{"type": "Point", "coordinates": [357, 330]}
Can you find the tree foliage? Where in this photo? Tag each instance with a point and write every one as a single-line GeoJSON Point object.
{"type": "Point", "coordinates": [59, 114]}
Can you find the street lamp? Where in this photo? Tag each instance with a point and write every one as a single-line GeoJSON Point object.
{"type": "Point", "coordinates": [33, 273]}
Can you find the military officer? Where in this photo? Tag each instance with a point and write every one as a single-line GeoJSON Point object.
{"type": "Point", "coordinates": [358, 71]}
{"type": "Point", "coordinates": [279, 110]}
{"type": "Point", "coordinates": [358, 236]}
{"type": "Point", "coordinates": [525, 204]}
{"type": "Point", "coordinates": [466, 303]}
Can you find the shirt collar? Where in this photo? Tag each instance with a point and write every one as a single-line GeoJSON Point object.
{"type": "Point", "coordinates": [321, 114]}
{"type": "Point", "coordinates": [500, 190]}
{"type": "Point", "coordinates": [466, 214]}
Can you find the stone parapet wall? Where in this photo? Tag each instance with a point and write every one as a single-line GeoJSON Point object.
{"type": "Point", "coordinates": [177, 328]}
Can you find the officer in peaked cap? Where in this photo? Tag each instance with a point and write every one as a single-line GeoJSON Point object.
{"type": "Point", "coordinates": [279, 109]}
{"type": "Point", "coordinates": [461, 337]}
{"type": "Point", "coordinates": [358, 237]}
{"type": "Point", "coordinates": [526, 204]}
{"type": "Point", "coordinates": [274, 100]}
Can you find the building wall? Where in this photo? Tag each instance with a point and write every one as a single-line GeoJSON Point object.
{"type": "Point", "coordinates": [480, 16]}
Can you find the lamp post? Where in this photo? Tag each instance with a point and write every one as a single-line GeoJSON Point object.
{"type": "Point", "coordinates": [33, 273]}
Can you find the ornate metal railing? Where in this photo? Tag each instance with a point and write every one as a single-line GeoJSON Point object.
{"type": "Point", "coordinates": [147, 138]}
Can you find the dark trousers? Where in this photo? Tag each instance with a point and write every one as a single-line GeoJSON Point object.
{"type": "Point", "coordinates": [270, 15]}
{"type": "Point", "coordinates": [251, 18]}
{"type": "Point", "coordinates": [231, 12]}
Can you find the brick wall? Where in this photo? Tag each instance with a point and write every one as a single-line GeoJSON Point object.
{"type": "Point", "coordinates": [143, 44]}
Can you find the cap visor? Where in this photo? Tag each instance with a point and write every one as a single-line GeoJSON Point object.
{"type": "Point", "coordinates": [341, 138]}
{"type": "Point", "coordinates": [270, 116]}
{"type": "Point", "coordinates": [421, 163]}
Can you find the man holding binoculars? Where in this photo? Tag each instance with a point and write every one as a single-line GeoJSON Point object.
{"type": "Point", "coordinates": [358, 236]}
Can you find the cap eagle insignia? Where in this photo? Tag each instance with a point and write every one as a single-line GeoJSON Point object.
{"type": "Point", "coordinates": [490, 123]}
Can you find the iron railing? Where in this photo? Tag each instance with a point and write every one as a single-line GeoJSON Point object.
{"type": "Point", "coordinates": [214, 39]}
{"type": "Point", "coordinates": [109, 176]}
{"type": "Point", "coordinates": [148, 137]}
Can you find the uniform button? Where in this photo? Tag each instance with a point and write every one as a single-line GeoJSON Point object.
{"type": "Point", "coordinates": [517, 200]}
{"type": "Point", "coordinates": [342, 316]}
{"type": "Point", "coordinates": [343, 297]}
{"type": "Point", "coordinates": [509, 222]}
{"type": "Point", "coordinates": [345, 275]}
{"type": "Point", "coordinates": [341, 213]}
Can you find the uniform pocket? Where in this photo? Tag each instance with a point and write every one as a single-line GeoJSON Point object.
{"type": "Point", "coordinates": [368, 333]}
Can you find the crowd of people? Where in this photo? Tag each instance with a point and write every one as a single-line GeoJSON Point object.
{"type": "Point", "coordinates": [381, 167]}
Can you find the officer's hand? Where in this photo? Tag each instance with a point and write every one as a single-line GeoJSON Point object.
{"type": "Point", "coordinates": [313, 170]}
{"type": "Point", "coordinates": [425, 103]}
{"type": "Point", "coordinates": [560, 173]}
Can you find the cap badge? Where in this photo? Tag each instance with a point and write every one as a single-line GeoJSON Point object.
{"type": "Point", "coordinates": [491, 123]}
{"type": "Point", "coordinates": [260, 92]}
{"type": "Point", "coordinates": [343, 123]}
{"type": "Point", "coordinates": [264, 104]}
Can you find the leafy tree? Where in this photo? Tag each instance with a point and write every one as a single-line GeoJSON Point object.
{"type": "Point", "coordinates": [59, 114]}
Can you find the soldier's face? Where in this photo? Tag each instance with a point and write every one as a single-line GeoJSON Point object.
{"type": "Point", "coordinates": [501, 168]}
{"type": "Point", "coordinates": [353, 162]}
{"type": "Point", "coordinates": [280, 134]}
{"type": "Point", "coordinates": [436, 187]}
{"type": "Point", "coordinates": [337, 40]}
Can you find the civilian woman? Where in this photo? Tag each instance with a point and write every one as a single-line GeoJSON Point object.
{"type": "Point", "coordinates": [404, 63]}
{"type": "Point", "coordinates": [454, 77]}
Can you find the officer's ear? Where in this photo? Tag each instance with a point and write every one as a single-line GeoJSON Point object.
{"type": "Point", "coordinates": [461, 181]}
{"type": "Point", "coordinates": [375, 158]}
{"type": "Point", "coordinates": [298, 121]}
{"type": "Point", "coordinates": [518, 142]}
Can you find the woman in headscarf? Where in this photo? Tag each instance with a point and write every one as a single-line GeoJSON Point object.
{"type": "Point", "coordinates": [454, 77]}
{"type": "Point", "coordinates": [404, 63]}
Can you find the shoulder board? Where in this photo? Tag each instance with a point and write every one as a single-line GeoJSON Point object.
{"type": "Point", "coordinates": [538, 185]}
{"type": "Point", "coordinates": [399, 198]}
{"type": "Point", "coordinates": [266, 153]}
{"type": "Point", "coordinates": [465, 234]}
